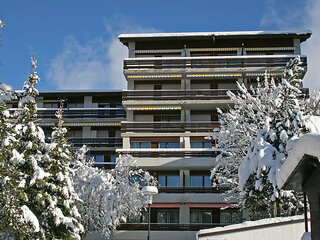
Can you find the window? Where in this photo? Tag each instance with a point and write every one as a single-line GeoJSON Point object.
{"type": "Point", "coordinates": [169, 144]}
{"type": "Point", "coordinates": [99, 158]}
{"type": "Point", "coordinates": [140, 144]}
{"type": "Point", "coordinates": [169, 180]}
{"type": "Point", "coordinates": [200, 216]}
{"type": "Point", "coordinates": [113, 158]}
{"type": "Point", "coordinates": [200, 180]}
{"type": "Point", "coordinates": [167, 215]}
{"type": "Point", "coordinates": [206, 144]}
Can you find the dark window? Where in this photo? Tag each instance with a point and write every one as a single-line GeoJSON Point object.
{"type": "Point", "coordinates": [167, 215]}
{"type": "Point", "coordinates": [169, 144]}
{"type": "Point", "coordinates": [198, 215]}
{"type": "Point", "coordinates": [169, 180]}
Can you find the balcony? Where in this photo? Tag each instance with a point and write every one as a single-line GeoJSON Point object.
{"type": "Point", "coordinates": [97, 142]}
{"type": "Point", "coordinates": [49, 113]}
{"type": "Point", "coordinates": [167, 153]}
{"type": "Point", "coordinates": [169, 127]}
{"type": "Point", "coordinates": [169, 226]}
{"type": "Point", "coordinates": [192, 189]}
{"type": "Point", "coordinates": [213, 94]}
{"type": "Point", "coordinates": [217, 62]}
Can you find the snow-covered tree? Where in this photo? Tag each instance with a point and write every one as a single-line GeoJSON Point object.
{"type": "Point", "coordinates": [40, 195]}
{"type": "Point", "coordinates": [253, 139]}
{"type": "Point", "coordinates": [109, 197]}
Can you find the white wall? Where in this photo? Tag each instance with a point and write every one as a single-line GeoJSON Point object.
{"type": "Point", "coordinates": [278, 230]}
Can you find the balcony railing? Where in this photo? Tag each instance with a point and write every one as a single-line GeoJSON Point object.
{"type": "Point", "coordinates": [83, 113]}
{"type": "Point", "coordinates": [173, 152]}
{"type": "Point", "coordinates": [193, 189]}
{"type": "Point", "coordinates": [154, 127]}
{"type": "Point", "coordinates": [210, 62]}
{"type": "Point", "coordinates": [105, 165]}
{"type": "Point", "coordinates": [212, 94]}
{"type": "Point", "coordinates": [99, 142]}
{"type": "Point", "coordinates": [170, 226]}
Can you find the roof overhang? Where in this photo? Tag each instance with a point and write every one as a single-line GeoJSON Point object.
{"type": "Point", "coordinates": [303, 35]}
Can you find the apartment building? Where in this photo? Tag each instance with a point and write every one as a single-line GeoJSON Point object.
{"type": "Point", "coordinates": [175, 82]}
{"type": "Point", "coordinates": [93, 118]}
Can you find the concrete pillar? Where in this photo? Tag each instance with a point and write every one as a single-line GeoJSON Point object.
{"type": "Point", "coordinates": [130, 115]}
{"type": "Point", "coordinates": [87, 102]}
{"type": "Point", "coordinates": [86, 132]}
{"type": "Point", "coordinates": [186, 178]}
{"type": "Point", "coordinates": [188, 84]}
{"type": "Point", "coordinates": [184, 214]}
{"type": "Point", "coordinates": [126, 142]}
{"type": "Point", "coordinates": [296, 44]}
{"type": "Point", "coordinates": [132, 47]}
{"type": "Point", "coordinates": [130, 85]}
{"type": "Point", "coordinates": [40, 103]}
{"type": "Point", "coordinates": [187, 142]}
{"type": "Point", "coordinates": [183, 84]}
{"type": "Point", "coordinates": [188, 115]}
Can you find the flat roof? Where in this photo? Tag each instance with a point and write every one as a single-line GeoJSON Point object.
{"type": "Point", "coordinates": [302, 34]}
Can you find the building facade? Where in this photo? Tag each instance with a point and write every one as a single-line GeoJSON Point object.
{"type": "Point", "coordinates": [175, 83]}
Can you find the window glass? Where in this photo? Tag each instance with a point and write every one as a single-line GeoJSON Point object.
{"type": "Point", "coordinates": [162, 217]}
{"type": "Point", "coordinates": [207, 181]}
{"type": "Point", "coordinates": [206, 217]}
{"type": "Point", "coordinates": [196, 181]}
{"type": "Point", "coordinates": [173, 181]}
{"type": "Point", "coordinates": [174, 217]}
{"type": "Point", "coordinates": [195, 217]}
{"type": "Point", "coordinates": [162, 180]}
{"type": "Point", "coordinates": [196, 144]}
{"type": "Point", "coordinates": [207, 144]}
{"type": "Point", "coordinates": [134, 145]}
{"type": "Point", "coordinates": [163, 144]}
{"type": "Point", "coordinates": [145, 145]}
{"type": "Point", "coordinates": [99, 158]}
{"type": "Point", "coordinates": [113, 158]}
{"type": "Point", "coordinates": [173, 144]}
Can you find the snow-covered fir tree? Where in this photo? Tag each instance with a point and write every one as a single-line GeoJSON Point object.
{"type": "Point", "coordinates": [37, 181]}
{"type": "Point", "coordinates": [109, 197]}
{"type": "Point", "coordinates": [253, 139]}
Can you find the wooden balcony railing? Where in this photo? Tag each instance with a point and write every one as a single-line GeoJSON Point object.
{"type": "Point", "coordinates": [154, 127]}
{"type": "Point", "coordinates": [170, 226]}
{"type": "Point", "coordinates": [99, 142]}
{"type": "Point", "coordinates": [212, 94]}
{"type": "Point", "coordinates": [83, 113]}
{"type": "Point", "coordinates": [210, 62]}
{"type": "Point", "coordinates": [174, 152]}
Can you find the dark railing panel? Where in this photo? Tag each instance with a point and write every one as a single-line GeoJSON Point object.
{"type": "Point", "coordinates": [193, 189]}
{"type": "Point", "coordinates": [169, 226]}
{"type": "Point", "coordinates": [82, 113]}
{"type": "Point", "coordinates": [158, 154]}
{"type": "Point", "coordinates": [168, 126]}
{"type": "Point", "coordinates": [212, 94]}
{"type": "Point", "coordinates": [210, 62]}
{"type": "Point", "coordinates": [100, 142]}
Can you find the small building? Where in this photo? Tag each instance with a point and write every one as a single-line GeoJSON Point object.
{"type": "Point", "coordinates": [301, 172]}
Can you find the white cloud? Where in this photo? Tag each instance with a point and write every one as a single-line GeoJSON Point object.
{"type": "Point", "coordinates": [97, 64]}
{"type": "Point", "coordinates": [297, 15]}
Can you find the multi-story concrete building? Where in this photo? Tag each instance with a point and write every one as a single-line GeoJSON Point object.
{"type": "Point", "coordinates": [93, 118]}
{"type": "Point", "coordinates": [175, 83]}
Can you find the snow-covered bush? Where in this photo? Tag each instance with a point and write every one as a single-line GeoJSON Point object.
{"type": "Point", "coordinates": [109, 197]}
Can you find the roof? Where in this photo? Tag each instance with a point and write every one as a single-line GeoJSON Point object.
{"type": "Point", "coordinates": [302, 34]}
{"type": "Point", "coordinates": [302, 160]}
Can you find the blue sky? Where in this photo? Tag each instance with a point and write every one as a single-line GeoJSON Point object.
{"type": "Point", "coordinates": [75, 41]}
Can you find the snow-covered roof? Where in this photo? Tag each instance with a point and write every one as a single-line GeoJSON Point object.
{"type": "Point", "coordinates": [211, 34]}
{"type": "Point", "coordinates": [250, 224]}
{"type": "Point", "coordinates": [306, 145]}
